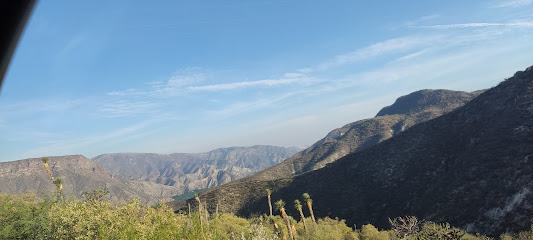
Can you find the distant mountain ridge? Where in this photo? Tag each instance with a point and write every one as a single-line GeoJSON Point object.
{"type": "Point", "coordinates": [79, 174]}
{"type": "Point", "coordinates": [471, 167]}
{"type": "Point", "coordinates": [190, 171]}
{"type": "Point", "coordinates": [148, 177]}
{"type": "Point", "coordinates": [407, 111]}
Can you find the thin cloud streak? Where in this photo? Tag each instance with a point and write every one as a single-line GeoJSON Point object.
{"type": "Point", "coordinates": [381, 48]}
{"type": "Point", "coordinates": [235, 85]}
{"type": "Point", "coordinates": [513, 3]}
{"type": "Point", "coordinates": [174, 86]}
{"type": "Point", "coordinates": [124, 108]}
{"type": "Point", "coordinates": [481, 24]}
{"type": "Point", "coordinates": [241, 107]}
{"type": "Point", "coordinates": [127, 92]}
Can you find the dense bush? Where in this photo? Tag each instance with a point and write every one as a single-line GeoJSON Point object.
{"type": "Point", "coordinates": [369, 232]}
{"type": "Point", "coordinates": [23, 217]}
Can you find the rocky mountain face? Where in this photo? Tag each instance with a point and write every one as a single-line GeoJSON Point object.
{"type": "Point", "coordinates": [471, 167]}
{"type": "Point", "coordinates": [190, 171]}
{"type": "Point", "coordinates": [406, 112]}
{"type": "Point", "coordinates": [79, 174]}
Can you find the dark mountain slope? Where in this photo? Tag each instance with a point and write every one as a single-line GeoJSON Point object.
{"type": "Point", "coordinates": [79, 174]}
{"type": "Point", "coordinates": [190, 171]}
{"type": "Point", "coordinates": [472, 168]}
{"type": "Point", "coordinates": [409, 110]}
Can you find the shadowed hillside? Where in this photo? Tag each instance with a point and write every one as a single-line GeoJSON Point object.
{"type": "Point", "coordinates": [471, 167]}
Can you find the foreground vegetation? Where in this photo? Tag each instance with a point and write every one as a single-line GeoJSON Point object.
{"type": "Point", "coordinates": [24, 216]}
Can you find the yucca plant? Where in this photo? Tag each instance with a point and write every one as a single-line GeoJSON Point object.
{"type": "Point", "coordinates": [59, 188]}
{"type": "Point", "coordinates": [47, 168]}
{"type": "Point", "coordinates": [309, 202]}
{"type": "Point", "coordinates": [57, 182]}
{"type": "Point", "coordinates": [268, 192]}
{"type": "Point", "coordinates": [298, 207]}
{"type": "Point", "coordinates": [280, 205]}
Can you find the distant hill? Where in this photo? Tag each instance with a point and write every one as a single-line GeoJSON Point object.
{"type": "Point", "coordinates": [471, 167]}
{"type": "Point", "coordinates": [191, 171]}
{"type": "Point", "coordinates": [407, 111]}
{"type": "Point", "coordinates": [79, 174]}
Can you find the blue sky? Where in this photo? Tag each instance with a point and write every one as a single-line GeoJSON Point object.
{"type": "Point", "coordinates": [99, 77]}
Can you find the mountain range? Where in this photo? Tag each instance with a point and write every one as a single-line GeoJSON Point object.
{"type": "Point", "coordinates": [146, 176]}
{"type": "Point", "coordinates": [471, 167]}
{"type": "Point", "coordinates": [79, 174]}
{"type": "Point", "coordinates": [191, 171]}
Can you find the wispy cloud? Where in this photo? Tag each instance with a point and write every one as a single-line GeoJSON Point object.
{"type": "Point", "coordinates": [181, 83]}
{"type": "Point", "coordinates": [175, 85]}
{"type": "Point", "coordinates": [513, 3]}
{"type": "Point", "coordinates": [127, 92]}
{"type": "Point", "coordinates": [266, 82]}
{"type": "Point", "coordinates": [178, 83]}
{"type": "Point", "coordinates": [241, 107]}
{"type": "Point", "coordinates": [412, 55]}
{"type": "Point", "coordinates": [480, 24]}
{"type": "Point", "coordinates": [124, 108]}
{"type": "Point", "coordinates": [422, 19]}
{"type": "Point", "coordinates": [385, 47]}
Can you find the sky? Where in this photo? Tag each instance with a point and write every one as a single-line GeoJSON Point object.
{"type": "Point", "coordinates": [95, 77]}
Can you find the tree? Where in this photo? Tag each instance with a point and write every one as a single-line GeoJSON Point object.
{"type": "Point", "coordinates": [280, 205]}
{"type": "Point", "coordinates": [309, 202]}
{"type": "Point", "coordinates": [298, 206]}
{"type": "Point", "coordinates": [268, 192]}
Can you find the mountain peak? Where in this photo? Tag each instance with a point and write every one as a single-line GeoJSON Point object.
{"type": "Point", "coordinates": [426, 100]}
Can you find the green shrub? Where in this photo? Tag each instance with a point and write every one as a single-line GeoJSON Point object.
{"type": "Point", "coordinates": [369, 232]}
{"type": "Point", "coordinates": [103, 220]}
{"type": "Point", "coordinates": [23, 217]}
{"type": "Point", "coordinates": [334, 229]}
